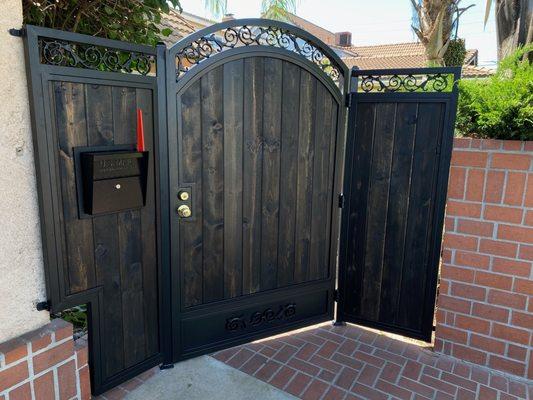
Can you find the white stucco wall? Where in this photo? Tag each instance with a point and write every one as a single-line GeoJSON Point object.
{"type": "Point", "coordinates": [21, 264]}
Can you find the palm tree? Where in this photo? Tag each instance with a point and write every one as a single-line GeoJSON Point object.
{"type": "Point", "coordinates": [434, 23]}
{"type": "Point", "coordinates": [273, 9]}
{"type": "Point", "coordinates": [514, 24]}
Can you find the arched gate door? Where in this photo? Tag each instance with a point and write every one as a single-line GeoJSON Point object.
{"type": "Point", "coordinates": [255, 145]}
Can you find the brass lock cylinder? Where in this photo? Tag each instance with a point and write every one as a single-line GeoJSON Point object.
{"type": "Point", "coordinates": [184, 211]}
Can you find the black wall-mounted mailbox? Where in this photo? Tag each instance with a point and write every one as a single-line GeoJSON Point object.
{"type": "Point", "coordinates": [113, 181]}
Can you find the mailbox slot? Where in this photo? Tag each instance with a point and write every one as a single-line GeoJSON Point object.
{"type": "Point", "coordinates": [112, 181]}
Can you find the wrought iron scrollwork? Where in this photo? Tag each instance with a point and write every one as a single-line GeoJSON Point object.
{"type": "Point", "coordinates": [78, 55]}
{"type": "Point", "coordinates": [272, 36]}
{"type": "Point", "coordinates": [258, 318]}
{"type": "Point", "coordinates": [439, 82]}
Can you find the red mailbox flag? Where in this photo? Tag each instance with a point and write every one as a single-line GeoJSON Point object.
{"type": "Point", "coordinates": [140, 130]}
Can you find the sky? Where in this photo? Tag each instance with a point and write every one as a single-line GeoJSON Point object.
{"type": "Point", "coordinates": [373, 21]}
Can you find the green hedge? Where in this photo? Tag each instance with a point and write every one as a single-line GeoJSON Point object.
{"type": "Point", "coordinates": [499, 107]}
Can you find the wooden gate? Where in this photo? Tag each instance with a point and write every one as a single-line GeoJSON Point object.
{"type": "Point", "coordinates": [255, 133]}
{"type": "Point", "coordinates": [400, 135]}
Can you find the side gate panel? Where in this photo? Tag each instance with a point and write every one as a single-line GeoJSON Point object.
{"type": "Point", "coordinates": [395, 187]}
{"type": "Point", "coordinates": [108, 262]}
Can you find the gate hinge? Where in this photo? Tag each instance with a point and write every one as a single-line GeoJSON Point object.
{"type": "Point", "coordinates": [17, 32]}
{"type": "Point", "coordinates": [336, 295]}
{"type": "Point", "coordinates": [341, 200]}
{"type": "Point", "coordinates": [44, 305]}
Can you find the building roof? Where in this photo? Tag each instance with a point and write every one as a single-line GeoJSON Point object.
{"type": "Point", "coordinates": [323, 34]}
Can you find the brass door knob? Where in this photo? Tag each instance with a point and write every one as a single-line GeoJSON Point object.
{"type": "Point", "coordinates": [184, 211]}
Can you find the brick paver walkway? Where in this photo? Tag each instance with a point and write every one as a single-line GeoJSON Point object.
{"type": "Point", "coordinates": [351, 362]}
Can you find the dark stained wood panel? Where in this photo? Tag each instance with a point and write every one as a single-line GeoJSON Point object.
{"type": "Point", "coordinates": [392, 196]}
{"type": "Point", "coordinates": [190, 161]}
{"type": "Point", "coordinates": [213, 182]}
{"type": "Point", "coordinates": [116, 252]}
{"type": "Point", "coordinates": [256, 138]}
{"type": "Point", "coordinates": [233, 172]}
{"type": "Point", "coordinates": [252, 179]}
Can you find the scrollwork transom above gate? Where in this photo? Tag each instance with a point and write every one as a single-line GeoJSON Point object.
{"type": "Point", "coordinates": [232, 37]}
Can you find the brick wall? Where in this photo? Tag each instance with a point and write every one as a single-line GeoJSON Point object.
{"type": "Point", "coordinates": [45, 364]}
{"type": "Point", "coordinates": [485, 306]}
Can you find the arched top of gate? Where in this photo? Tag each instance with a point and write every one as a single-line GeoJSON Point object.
{"type": "Point", "coordinates": [192, 50]}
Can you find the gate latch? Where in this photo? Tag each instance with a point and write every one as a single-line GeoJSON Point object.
{"type": "Point", "coordinates": [341, 200]}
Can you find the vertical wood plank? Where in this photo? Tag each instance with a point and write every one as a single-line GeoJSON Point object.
{"type": "Point", "coordinates": [129, 238]}
{"type": "Point", "coordinates": [78, 235]}
{"type": "Point", "coordinates": [213, 184]}
{"type": "Point", "coordinates": [402, 158]}
{"type": "Point", "coordinates": [364, 141]}
{"type": "Point", "coordinates": [271, 174]}
{"type": "Point", "coordinates": [289, 176]}
{"type": "Point", "coordinates": [253, 173]}
{"type": "Point", "coordinates": [99, 100]}
{"type": "Point", "coordinates": [419, 225]}
{"type": "Point", "coordinates": [308, 88]}
{"type": "Point", "coordinates": [377, 210]}
{"type": "Point", "coordinates": [321, 187]}
{"type": "Point", "coordinates": [233, 136]}
{"type": "Point", "coordinates": [191, 172]}
{"type": "Point", "coordinates": [144, 98]}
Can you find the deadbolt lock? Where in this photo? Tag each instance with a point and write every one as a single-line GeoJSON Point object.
{"type": "Point", "coordinates": [184, 211]}
{"type": "Point", "coordinates": [183, 195]}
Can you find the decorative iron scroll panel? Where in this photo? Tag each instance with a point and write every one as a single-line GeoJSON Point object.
{"type": "Point", "coordinates": [231, 37]}
{"type": "Point", "coordinates": [254, 141]}
{"type": "Point", "coordinates": [400, 134]}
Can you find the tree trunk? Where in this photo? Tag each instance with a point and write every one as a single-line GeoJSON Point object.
{"type": "Point", "coordinates": [514, 25]}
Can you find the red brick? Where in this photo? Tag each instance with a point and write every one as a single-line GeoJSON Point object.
{"type": "Point", "coordinates": [470, 259]}
{"type": "Point", "coordinates": [298, 384]}
{"type": "Point", "coordinates": [490, 312]}
{"type": "Point", "coordinates": [53, 356]}
{"type": "Point", "coordinates": [512, 145]}
{"type": "Point", "coordinates": [282, 377]}
{"type": "Point", "coordinates": [507, 299]}
{"type": "Point", "coordinates": [446, 256]}
{"type": "Point", "coordinates": [463, 394]}
{"type": "Point", "coordinates": [511, 267]}
{"type": "Point", "coordinates": [44, 386]}
{"type": "Point", "coordinates": [346, 378]}
{"type": "Point", "coordinates": [66, 376]}
{"type": "Point", "coordinates": [438, 384]}
{"type": "Point", "coordinates": [514, 189]}
{"type": "Point", "coordinates": [463, 209]}
{"type": "Point", "coordinates": [517, 389]}
{"type": "Point", "coordinates": [41, 342]}
{"type": "Point", "coordinates": [475, 184]}
{"type": "Point", "coordinates": [522, 320]}
{"type": "Point", "coordinates": [396, 391]}
{"type": "Point", "coordinates": [416, 387]}
{"type": "Point", "coordinates": [528, 220]}
{"type": "Point", "coordinates": [82, 353]}
{"type": "Point", "coordinates": [498, 248]}
{"type": "Point", "coordinates": [253, 364]}
{"type": "Point", "coordinates": [315, 390]}
{"type": "Point", "coordinates": [368, 375]}
{"type": "Point", "coordinates": [14, 350]}
{"type": "Point", "coordinates": [525, 252]}
{"type": "Point", "coordinates": [459, 143]}
{"type": "Point", "coordinates": [303, 366]}
{"type": "Point", "coordinates": [528, 201]}
{"type": "Point", "coordinates": [327, 349]}
{"type": "Point", "coordinates": [23, 392]}
{"type": "Point", "coordinates": [63, 331]}
{"type": "Point", "coordinates": [468, 291]}
{"type": "Point", "coordinates": [457, 274]}
{"type": "Point", "coordinates": [268, 370]}
{"type": "Point", "coordinates": [456, 184]}
{"type": "Point", "coordinates": [515, 233]}
{"type": "Point", "coordinates": [510, 334]}
{"type": "Point", "coordinates": [506, 365]}
{"type": "Point", "coordinates": [335, 394]}
{"type": "Point", "coordinates": [469, 354]}
{"type": "Point", "coordinates": [493, 280]}
{"type": "Point", "coordinates": [306, 351]}
{"type": "Point", "coordinates": [491, 144]}
{"type": "Point", "coordinates": [503, 214]}
{"type": "Point", "coordinates": [285, 353]}
{"type": "Point", "coordinates": [530, 370]}
{"type": "Point", "coordinates": [523, 286]}
{"type": "Point", "coordinates": [453, 304]}
{"type": "Point", "coordinates": [469, 158]}
{"type": "Point", "coordinates": [453, 241]}
{"type": "Point", "coordinates": [472, 324]}
{"type": "Point", "coordinates": [511, 161]}
{"type": "Point", "coordinates": [348, 347]}
{"type": "Point", "coordinates": [367, 393]}
{"type": "Point", "coordinates": [226, 354]}
{"type": "Point", "coordinates": [516, 352]}
{"type": "Point", "coordinates": [476, 228]}
{"type": "Point", "coordinates": [494, 186]}
{"type": "Point", "coordinates": [487, 393]}
{"type": "Point", "coordinates": [13, 375]}
{"type": "Point", "coordinates": [325, 363]}
{"type": "Point", "coordinates": [487, 344]}
{"type": "Point", "coordinates": [448, 333]}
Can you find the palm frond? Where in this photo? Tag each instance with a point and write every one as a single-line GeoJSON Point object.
{"type": "Point", "coordinates": [278, 9]}
{"type": "Point", "coordinates": [487, 11]}
{"type": "Point", "coordinates": [217, 8]}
